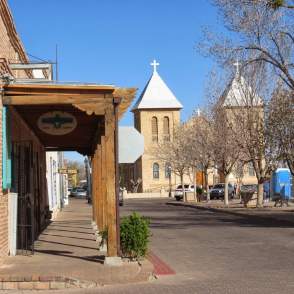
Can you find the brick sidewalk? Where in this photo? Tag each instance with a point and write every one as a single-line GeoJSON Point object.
{"type": "Point", "coordinates": [66, 255]}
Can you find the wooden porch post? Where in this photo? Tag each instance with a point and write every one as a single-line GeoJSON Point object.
{"type": "Point", "coordinates": [93, 189]}
{"type": "Point", "coordinates": [98, 190]}
{"type": "Point", "coordinates": [110, 125]}
{"type": "Point", "coordinates": [103, 185]}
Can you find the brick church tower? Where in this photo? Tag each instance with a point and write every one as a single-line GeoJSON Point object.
{"type": "Point", "coordinates": [156, 114]}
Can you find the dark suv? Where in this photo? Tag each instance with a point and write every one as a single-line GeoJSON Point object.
{"type": "Point", "coordinates": [218, 191]}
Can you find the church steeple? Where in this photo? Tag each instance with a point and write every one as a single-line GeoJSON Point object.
{"type": "Point", "coordinates": [237, 65]}
{"type": "Point", "coordinates": [156, 115]}
{"type": "Point", "coordinates": [239, 93]}
{"type": "Point", "coordinates": [156, 94]}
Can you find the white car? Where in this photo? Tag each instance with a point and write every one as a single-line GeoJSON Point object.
{"type": "Point", "coordinates": [78, 192]}
{"type": "Point", "coordinates": [179, 191]}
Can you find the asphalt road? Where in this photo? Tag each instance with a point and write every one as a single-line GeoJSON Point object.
{"type": "Point", "coordinates": [214, 252]}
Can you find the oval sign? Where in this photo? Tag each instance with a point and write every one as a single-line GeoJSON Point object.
{"type": "Point", "coordinates": [57, 123]}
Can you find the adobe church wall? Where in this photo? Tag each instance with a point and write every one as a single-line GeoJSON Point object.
{"type": "Point", "coordinates": [149, 184]}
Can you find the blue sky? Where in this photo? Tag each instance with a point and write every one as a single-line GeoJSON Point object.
{"type": "Point", "coordinates": [114, 41]}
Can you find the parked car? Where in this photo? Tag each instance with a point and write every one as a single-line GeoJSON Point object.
{"type": "Point", "coordinates": [218, 191]}
{"type": "Point", "coordinates": [179, 191]}
{"type": "Point", "coordinates": [78, 192]}
{"type": "Point", "coordinates": [69, 191]}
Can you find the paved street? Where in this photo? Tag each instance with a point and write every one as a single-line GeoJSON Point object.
{"type": "Point", "coordinates": [214, 252]}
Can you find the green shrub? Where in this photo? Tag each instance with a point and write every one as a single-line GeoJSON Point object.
{"type": "Point", "coordinates": [134, 236]}
{"type": "Point", "coordinates": [199, 190]}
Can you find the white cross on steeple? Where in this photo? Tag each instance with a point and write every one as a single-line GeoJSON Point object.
{"type": "Point", "coordinates": [237, 65]}
{"type": "Point", "coordinates": [154, 64]}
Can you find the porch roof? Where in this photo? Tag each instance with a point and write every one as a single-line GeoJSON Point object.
{"type": "Point", "coordinates": [87, 103]}
{"type": "Point", "coordinates": [91, 98]}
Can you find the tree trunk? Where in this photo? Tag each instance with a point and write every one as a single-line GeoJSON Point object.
{"type": "Point", "coordinates": [226, 196]}
{"type": "Point", "coordinates": [183, 188]}
{"type": "Point", "coordinates": [207, 186]}
{"type": "Point", "coordinates": [260, 195]}
{"type": "Point", "coordinates": [195, 184]}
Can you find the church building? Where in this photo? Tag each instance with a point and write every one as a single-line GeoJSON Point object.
{"type": "Point", "coordinates": [156, 114]}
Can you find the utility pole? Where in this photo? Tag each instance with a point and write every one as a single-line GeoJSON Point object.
{"type": "Point", "coordinates": [56, 63]}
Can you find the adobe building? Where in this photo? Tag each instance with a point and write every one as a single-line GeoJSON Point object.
{"type": "Point", "coordinates": [156, 115]}
{"type": "Point", "coordinates": [38, 115]}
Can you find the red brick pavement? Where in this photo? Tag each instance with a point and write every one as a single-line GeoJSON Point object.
{"type": "Point", "coordinates": [160, 267]}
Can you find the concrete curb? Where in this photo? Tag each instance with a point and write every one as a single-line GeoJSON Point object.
{"type": "Point", "coordinates": [227, 211]}
{"type": "Point", "coordinates": [36, 282]}
{"type": "Point", "coordinates": [145, 273]}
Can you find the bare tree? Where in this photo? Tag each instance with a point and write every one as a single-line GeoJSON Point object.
{"type": "Point", "coordinates": [174, 153]}
{"type": "Point", "coordinates": [225, 151]}
{"type": "Point", "coordinates": [247, 120]}
{"type": "Point", "coordinates": [199, 148]}
{"type": "Point", "coordinates": [238, 172]}
{"type": "Point", "coordinates": [261, 33]}
{"type": "Point", "coordinates": [276, 4]}
{"type": "Point", "coordinates": [280, 127]}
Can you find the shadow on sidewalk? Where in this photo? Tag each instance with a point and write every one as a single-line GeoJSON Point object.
{"type": "Point", "coordinates": [94, 258]}
{"type": "Point", "coordinates": [196, 216]}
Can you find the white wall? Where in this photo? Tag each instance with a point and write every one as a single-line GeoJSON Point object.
{"type": "Point", "coordinates": [57, 183]}
{"type": "Point", "coordinates": [53, 181]}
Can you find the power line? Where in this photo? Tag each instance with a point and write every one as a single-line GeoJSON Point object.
{"type": "Point", "coordinates": [40, 59]}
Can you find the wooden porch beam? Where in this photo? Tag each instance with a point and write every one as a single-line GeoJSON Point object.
{"type": "Point", "coordinates": [50, 88]}
{"type": "Point", "coordinates": [54, 99]}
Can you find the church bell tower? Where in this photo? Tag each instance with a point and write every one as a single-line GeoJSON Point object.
{"type": "Point", "coordinates": [156, 114]}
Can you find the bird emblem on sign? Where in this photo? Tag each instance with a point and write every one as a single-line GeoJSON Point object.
{"type": "Point", "coordinates": [57, 123]}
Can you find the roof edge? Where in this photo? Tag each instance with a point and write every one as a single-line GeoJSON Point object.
{"type": "Point", "coordinates": [156, 108]}
{"type": "Point", "coordinates": [6, 15]}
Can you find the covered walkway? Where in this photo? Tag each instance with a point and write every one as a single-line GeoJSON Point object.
{"type": "Point", "coordinates": [67, 249]}
{"type": "Point", "coordinates": [64, 117]}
